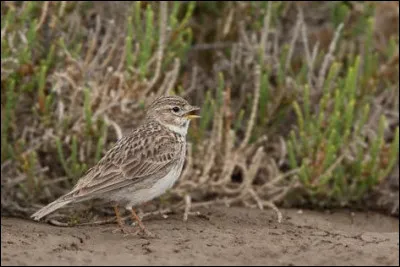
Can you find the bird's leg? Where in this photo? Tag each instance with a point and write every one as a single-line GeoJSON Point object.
{"type": "Point", "coordinates": [140, 212]}
{"type": "Point", "coordinates": [119, 220]}
{"type": "Point", "coordinates": [141, 225]}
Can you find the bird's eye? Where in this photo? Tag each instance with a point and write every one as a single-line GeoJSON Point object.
{"type": "Point", "coordinates": [176, 109]}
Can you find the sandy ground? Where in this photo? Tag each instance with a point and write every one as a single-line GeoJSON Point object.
{"type": "Point", "coordinates": [223, 236]}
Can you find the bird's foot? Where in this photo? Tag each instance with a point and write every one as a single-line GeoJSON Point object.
{"type": "Point", "coordinates": [147, 234]}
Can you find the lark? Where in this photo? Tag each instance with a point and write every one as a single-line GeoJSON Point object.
{"type": "Point", "coordinates": [141, 166]}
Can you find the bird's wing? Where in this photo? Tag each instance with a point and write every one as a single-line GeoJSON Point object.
{"type": "Point", "coordinates": [127, 163]}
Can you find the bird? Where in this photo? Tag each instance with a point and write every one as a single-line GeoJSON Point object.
{"type": "Point", "coordinates": [140, 166]}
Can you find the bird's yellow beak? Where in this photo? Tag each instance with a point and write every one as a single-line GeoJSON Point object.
{"type": "Point", "coordinates": [192, 113]}
{"type": "Point", "coordinates": [193, 116]}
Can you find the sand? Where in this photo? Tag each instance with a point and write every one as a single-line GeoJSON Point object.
{"type": "Point", "coordinates": [221, 236]}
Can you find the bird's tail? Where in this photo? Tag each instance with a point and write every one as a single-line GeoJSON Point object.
{"type": "Point", "coordinates": [55, 205]}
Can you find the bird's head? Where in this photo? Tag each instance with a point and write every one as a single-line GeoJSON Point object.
{"type": "Point", "coordinates": [173, 112]}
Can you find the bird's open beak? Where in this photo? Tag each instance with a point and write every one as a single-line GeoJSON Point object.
{"type": "Point", "coordinates": [192, 113]}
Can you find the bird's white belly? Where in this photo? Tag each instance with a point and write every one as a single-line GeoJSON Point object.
{"type": "Point", "coordinates": [161, 186]}
{"type": "Point", "coordinates": [165, 183]}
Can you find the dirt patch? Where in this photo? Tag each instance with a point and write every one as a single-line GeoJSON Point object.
{"type": "Point", "coordinates": [223, 236]}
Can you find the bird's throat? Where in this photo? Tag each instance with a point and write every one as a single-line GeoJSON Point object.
{"type": "Point", "coordinates": [182, 130]}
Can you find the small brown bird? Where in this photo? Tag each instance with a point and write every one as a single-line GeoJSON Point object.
{"type": "Point", "coordinates": [140, 166]}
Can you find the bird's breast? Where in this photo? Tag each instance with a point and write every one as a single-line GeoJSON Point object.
{"type": "Point", "coordinates": [168, 180]}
